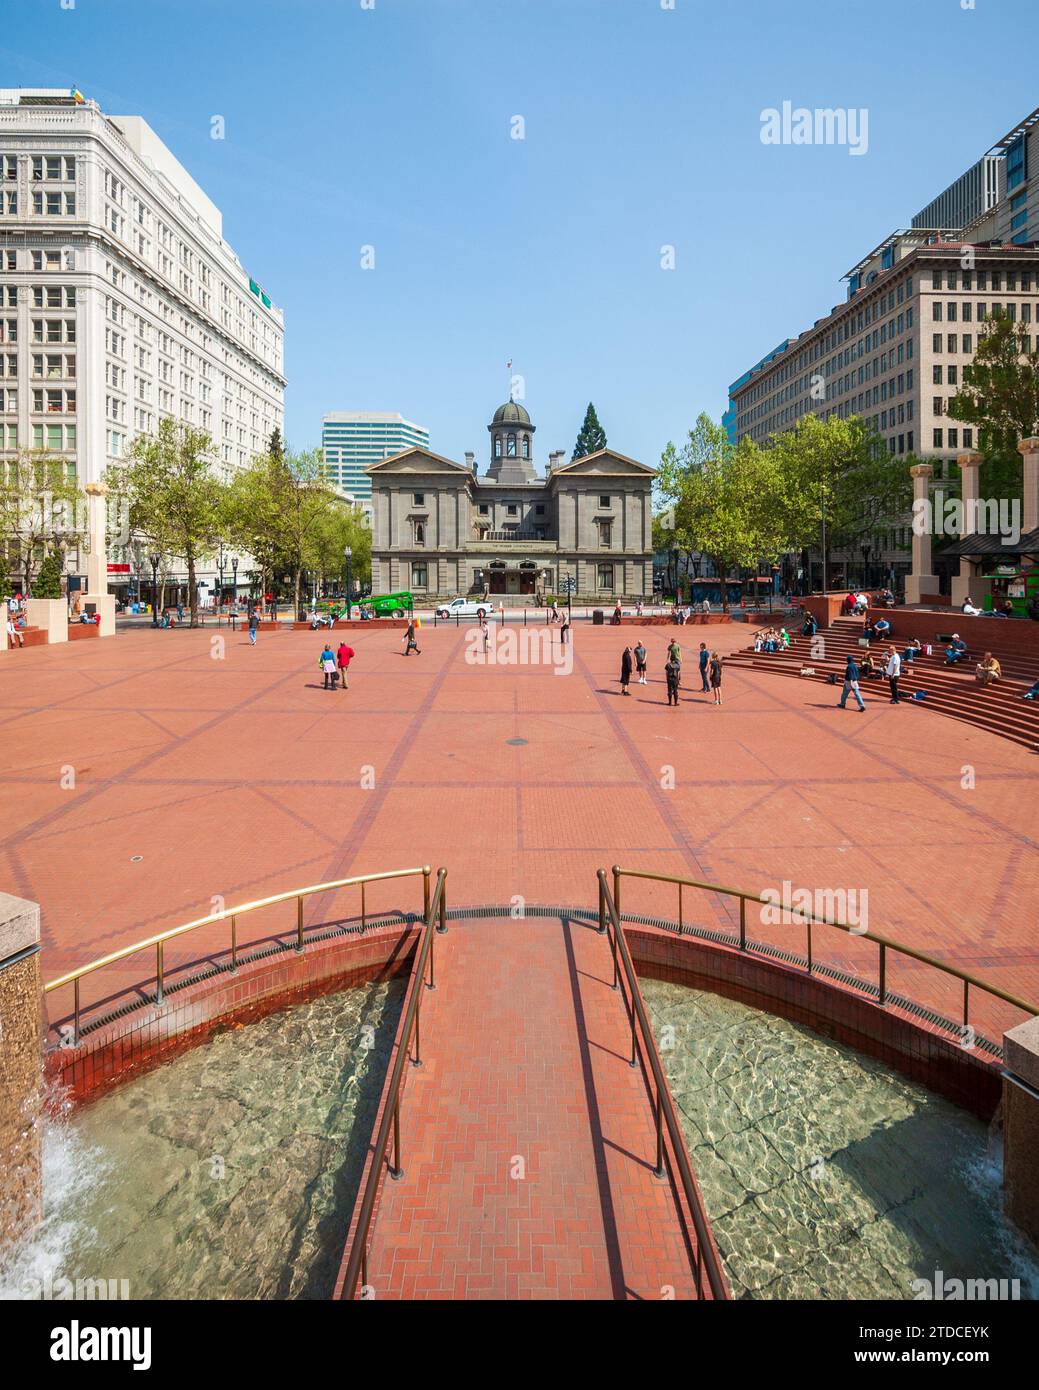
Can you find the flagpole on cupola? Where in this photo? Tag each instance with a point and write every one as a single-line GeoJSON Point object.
{"type": "Point", "coordinates": [508, 368]}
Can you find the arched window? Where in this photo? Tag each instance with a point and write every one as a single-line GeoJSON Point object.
{"type": "Point", "coordinates": [526, 446]}
{"type": "Point", "coordinates": [420, 533]}
{"type": "Point", "coordinates": [497, 446]}
{"type": "Point", "coordinates": [512, 446]}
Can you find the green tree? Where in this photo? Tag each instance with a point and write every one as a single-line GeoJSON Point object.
{"type": "Point", "coordinates": [276, 447]}
{"type": "Point", "coordinates": [176, 499]}
{"type": "Point", "coordinates": [592, 437]}
{"type": "Point", "coordinates": [40, 506]}
{"type": "Point", "coordinates": [840, 484]}
{"type": "Point", "coordinates": [726, 499]}
{"type": "Point", "coordinates": [1000, 397]}
{"type": "Point", "coordinates": [47, 583]}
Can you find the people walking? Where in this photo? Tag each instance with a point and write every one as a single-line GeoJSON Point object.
{"type": "Point", "coordinates": [327, 664]}
{"type": "Point", "coordinates": [640, 662]}
{"type": "Point", "coordinates": [673, 672]}
{"type": "Point", "coordinates": [344, 656]}
{"type": "Point", "coordinates": [851, 685]}
{"type": "Point", "coordinates": [705, 660]}
{"type": "Point", "coordinates": [626, 664]}
{"type": "Point", "coordinates": [254, 624]}
{"type": "Point", "coordinates": [716, 677]}
{"type": "Point", "coordinates": [893, 670]}
{"type": "Point", "coordinates": [410, 642]}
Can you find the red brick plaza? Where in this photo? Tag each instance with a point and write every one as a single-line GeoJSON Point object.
{"type": "Point", "coordinates": [196, 776]}
{"type": "Point", "coordinates": [156, 776]}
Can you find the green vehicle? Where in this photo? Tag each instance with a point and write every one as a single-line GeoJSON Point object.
{"type": "Point", "coordinates": [397, 605]}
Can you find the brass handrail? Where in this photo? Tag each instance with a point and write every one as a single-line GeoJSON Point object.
{"type": "Point", "coordinates": [232, 914]}
{"type": "Point", "coordinates": [664, 1108]}
{"type": "Point", "coordinates": [885, 943]}
{"type": "Point", "coordinates": [435, 922]}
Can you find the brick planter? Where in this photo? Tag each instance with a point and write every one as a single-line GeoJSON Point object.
{"type": "Point", "coordinates": [79, 632]}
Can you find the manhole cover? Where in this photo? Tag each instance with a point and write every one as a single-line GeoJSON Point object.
{"type": "Point", "coordinates": [515, 740]}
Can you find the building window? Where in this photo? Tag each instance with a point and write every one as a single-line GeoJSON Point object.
{"type": "Point", "coordinates": [512, 446]}
{"type": "Point", "coordinates": [605, 534]}
{"type": "Point", "coordinates": [418, 575]}
{"type": "Point", "coordinates": [605, 579]}
{"type": "Point", "coordinates": [419, 499]}
{"type": "Point", "coordinates": [937, 439]}
{"type": "Point", "coordinates": [420, 533]}
{"type": "Point", "coordinates": [484, 509]}
{"type": "Point", "coordinates": [497, 446]}
{"type": "Point", "coordinates": [526, 446]}
{"type": "Point", "coordinates": [604, 502]}
{"type": "Point", "coordinates": [512, 509]}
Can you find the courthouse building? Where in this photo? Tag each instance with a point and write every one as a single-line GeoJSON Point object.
{"type": "Point", "coordinates": [440, 529]}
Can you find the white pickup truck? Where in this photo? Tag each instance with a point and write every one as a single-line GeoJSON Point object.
{"type": "Point", "coordinates": [464, 608]}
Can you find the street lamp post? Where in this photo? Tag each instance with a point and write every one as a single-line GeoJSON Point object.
{"type": "Point", "coordinates": [347, 555]}
{"type": "Point", "coordinates": [234, 571]}
{"type": "Point", "coordinates": [867, 550]}
{"type": "Point", "coordinates": [220, 572]}
{"type": "Point", "coordinates": [155, 589]}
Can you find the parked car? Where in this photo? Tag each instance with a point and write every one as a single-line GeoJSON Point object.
{"type": "Point", "coordinates": [464, 608]}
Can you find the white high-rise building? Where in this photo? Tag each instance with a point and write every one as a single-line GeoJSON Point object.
{"type": "Point", "coordinates": [120, 300]}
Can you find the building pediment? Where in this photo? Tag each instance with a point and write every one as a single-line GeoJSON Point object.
{"type": "Point", "coordinates": [416, 460]}
{"type": "Point", "coordinates": [604, 464]}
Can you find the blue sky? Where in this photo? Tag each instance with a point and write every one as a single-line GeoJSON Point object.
{"type": "Point", "coordinates": [390, 127]}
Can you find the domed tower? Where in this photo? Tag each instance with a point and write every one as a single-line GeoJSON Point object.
{"type": "Point", "coordinates": [512, 445]}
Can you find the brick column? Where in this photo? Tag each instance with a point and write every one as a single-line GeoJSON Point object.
{"type": "Point", "coordinates": [1021, 1126]}
{"type": "Point", "coordinates": [966, 582]}
{"type": "Point", "coordinates": [21, 1067]}
{"type": "Point", "coordinates": [1029, 450]}
{"type": "Point", "coordinates": [922, 580]}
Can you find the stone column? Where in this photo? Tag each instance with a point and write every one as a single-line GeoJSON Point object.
{"type": "Point", "coordinates": [1021, 1126]}
{"type": "Point", "coordinates": [922, 580]}
{"type": "Point", "coordinates": [21, 1067]}
{"type": "Point", "coordinates": [966, 583]}
{"type": "Point", "coordinates": [97, 561]}
{"type": "Point", "coordinates": [1029, 450]}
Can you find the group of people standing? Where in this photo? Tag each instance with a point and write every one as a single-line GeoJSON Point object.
{"type": "Point", "coordinates": [635, 660]}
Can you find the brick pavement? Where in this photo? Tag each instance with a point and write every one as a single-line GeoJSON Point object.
{"type": "Point", "coordinates": [240, 776]}
{"type": "Point", "coordinates": [527, 1140]}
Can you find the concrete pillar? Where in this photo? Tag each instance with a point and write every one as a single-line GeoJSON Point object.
{"type": "Point", "coordinates": [966, 583]}
{"type": "Point", "coordinates": [97, 561]}
{"type": "Point", "coordinates": [922, 580]}
{"type": "Point", "coordinates": [21, 1067]}
{"type": "Point", "coordinates": [1029, 450]}
{"type": "Point", "coordinates": [1021, 1126]}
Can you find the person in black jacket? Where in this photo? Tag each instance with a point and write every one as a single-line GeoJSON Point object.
{"type": "Point", "coordinates": [851, 685]}
{"type": "Point", "coordinates": [626, 665]}
{"type": "Point", "coordinates": [673, 672]}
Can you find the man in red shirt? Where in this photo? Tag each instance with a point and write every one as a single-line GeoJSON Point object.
{"type": "Point", "coordinates": [344, 656]}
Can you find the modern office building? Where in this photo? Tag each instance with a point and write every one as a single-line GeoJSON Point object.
{"type": "Point", "coordinates": [894, 354]}
{"type": "Point", "coordinates": [353, 439]}
{"type": "Point", "coordinates": [120, 300]}
{"type": "Point", "coordinates": [440, 530]}
{"type": "Point", "coordinates": [895, 351]}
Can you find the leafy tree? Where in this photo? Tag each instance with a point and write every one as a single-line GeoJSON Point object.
{"type": "Point", "coordinates": [39, 506]}
{"type": "Point", "coordinates": [725, 498]}
{"type": "Point", "coordinates": [343, 526]}
{"type": "Point", "coordinates": [839, 483]}
{"type": "Point", "coordinates": [47, 583]}
{"type": "Point", "coordinates": [592, 437]}
{"type": "Point", "coordinates": [175, 497]}
{"type": "Point", "coordinates": [1000, 397]}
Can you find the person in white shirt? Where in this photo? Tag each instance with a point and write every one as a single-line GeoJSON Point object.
{"type": "Point", "coordinates": [893, 670]}
{"type": "Point", "coordinates": [13, 635]}
{"type": "Point", "coordinates": [969, 609]}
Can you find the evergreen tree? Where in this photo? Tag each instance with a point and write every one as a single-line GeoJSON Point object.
{"type": "Point", "coordinates": [277, 445]}
{"type": "Point", "coordinates": [592, 437]}
{"type": "Point", "coordinates": [48, 580]}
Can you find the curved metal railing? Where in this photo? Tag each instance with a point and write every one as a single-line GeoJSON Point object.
{"type": "Point", "coordinates": [230, 914]}
{"type": "Point", "coordinates": [968, 980]}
